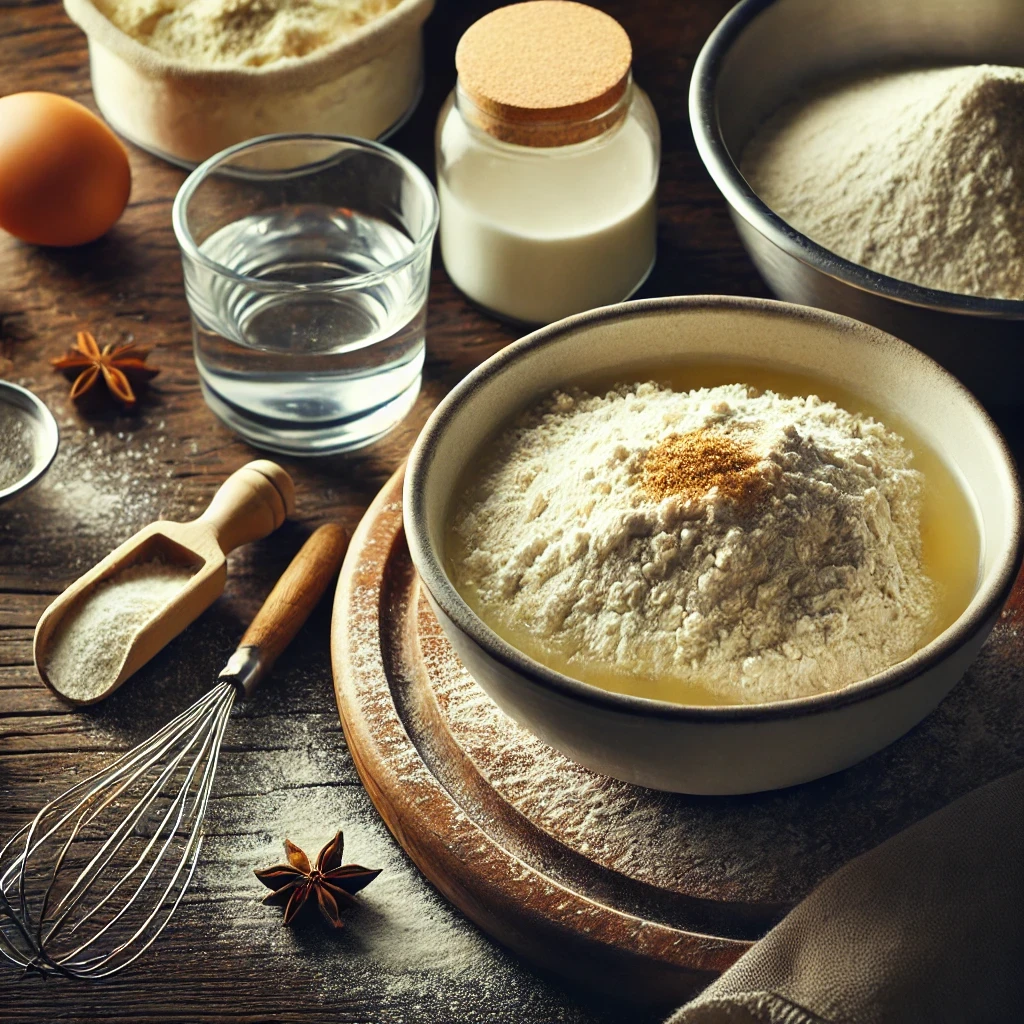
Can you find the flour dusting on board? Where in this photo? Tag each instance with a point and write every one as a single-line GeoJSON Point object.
{"type": "Point", "coordinates": [770, 847]}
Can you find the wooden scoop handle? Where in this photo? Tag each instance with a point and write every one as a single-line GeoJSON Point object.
{"type": "Point", "coordinates": [288, 606]}
{"type": "Point", "coordinates": [253, 502]}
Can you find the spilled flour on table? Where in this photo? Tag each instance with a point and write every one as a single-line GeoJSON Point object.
{"type": "Point", "coordinates": [404, 956]}
{"type": "Point", "coordinates": [404, 952]}
{"type": "Point", "coordinates": [104, 484]}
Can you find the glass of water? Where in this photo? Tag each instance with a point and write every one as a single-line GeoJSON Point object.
{"type": "Point", "coordinates": [307, 265]}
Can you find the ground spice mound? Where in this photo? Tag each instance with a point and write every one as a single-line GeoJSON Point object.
{"type": "Point", "coordinates": [694, 463]}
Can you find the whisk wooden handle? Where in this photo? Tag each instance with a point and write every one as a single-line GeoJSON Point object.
{"type": "Point", "coordinates": [288, 606]}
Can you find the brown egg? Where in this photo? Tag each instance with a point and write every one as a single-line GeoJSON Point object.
{"type": "Point", "coordinates": [64, 176]}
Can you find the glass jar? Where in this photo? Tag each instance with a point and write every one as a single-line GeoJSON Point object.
{"type": "Point", "coordinates": [547, 192]}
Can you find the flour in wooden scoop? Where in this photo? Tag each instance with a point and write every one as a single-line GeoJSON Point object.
{"type": "Point", "coordinates": [91, 643]}
{"type": "Point", "coordinates": [727, 542]}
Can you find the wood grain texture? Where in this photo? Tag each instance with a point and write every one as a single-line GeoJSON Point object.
{"type": "Point", "coordinates": [285, 769]}
{"type": "Point", "coordinates": [615, 886]}
{"type": "Point", "coordinates": [297, 593]}
{"type": "Point", "coordinates": [468, 840]}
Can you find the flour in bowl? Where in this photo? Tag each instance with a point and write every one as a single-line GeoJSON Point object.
{"type": "Point", "coordinates": [240, 33]}
{"type": "Point", "coordinates": [727, 541]}
{"type": "Point", "coordinates": [918, 174]}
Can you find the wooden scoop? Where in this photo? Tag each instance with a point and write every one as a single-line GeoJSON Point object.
{"type": "Point", "coordinates": [252, 503]}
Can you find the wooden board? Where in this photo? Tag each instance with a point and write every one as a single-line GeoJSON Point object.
{"type": "Point", "coordinates": [640, 893]}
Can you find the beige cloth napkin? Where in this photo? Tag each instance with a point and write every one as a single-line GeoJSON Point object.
{"type": "Point", "coordinates": [926, 928]}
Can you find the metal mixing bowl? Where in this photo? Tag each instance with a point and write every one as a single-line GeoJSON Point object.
{"type": "Point", "coordinates": [46, 436]}
{"type": "Point", "coordinates": [761, 55]}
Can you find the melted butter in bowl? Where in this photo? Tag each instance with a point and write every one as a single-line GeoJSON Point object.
{"type": "Point", "coordinates": [704, 542]}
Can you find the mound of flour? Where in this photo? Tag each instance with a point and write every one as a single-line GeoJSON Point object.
{"type": "Point", "coordinates": [815, 584]}
{"type": "Point", "coordinates": [916, 174]}
{"type": "Point", "coordinates": [240, 33]}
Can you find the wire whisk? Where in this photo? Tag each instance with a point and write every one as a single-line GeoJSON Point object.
{"type": "Point", "coordinates": [89, 884]}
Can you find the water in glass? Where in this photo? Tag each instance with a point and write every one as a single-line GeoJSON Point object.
{"type": "Point", "coordinates": [329, 365]}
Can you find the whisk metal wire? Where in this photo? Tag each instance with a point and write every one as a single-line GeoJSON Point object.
{"type": "Point", "coordinates": [89, 884]}
{"type": "Point", "coordinates": [174, 770]}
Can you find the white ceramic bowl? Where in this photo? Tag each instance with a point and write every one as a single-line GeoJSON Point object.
{"type": "Point", "coordinates": [715, 750]}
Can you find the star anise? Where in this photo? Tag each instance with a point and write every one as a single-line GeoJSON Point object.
{"type": "Point", "coordinates": [333, 883]}
{"type": "Point", "coordinates": [122, 368]}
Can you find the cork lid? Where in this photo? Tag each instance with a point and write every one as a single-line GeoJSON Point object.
{"type": "Point", "coordinates": [545, 72]}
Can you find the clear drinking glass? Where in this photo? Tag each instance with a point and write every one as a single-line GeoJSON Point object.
{"type": "Point", "coordinates": [307, 264]}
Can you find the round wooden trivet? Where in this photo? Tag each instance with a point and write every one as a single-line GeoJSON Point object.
{"type": "Point", "coordinates": [644, 894]}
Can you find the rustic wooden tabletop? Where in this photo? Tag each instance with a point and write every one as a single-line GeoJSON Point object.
{"type": "Point", "coordinates": [285, 771]}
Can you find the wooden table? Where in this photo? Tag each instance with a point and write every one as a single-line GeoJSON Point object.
{"type": "Point", "coordinates": [285, 771]}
